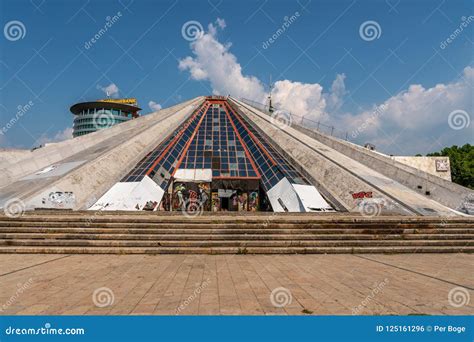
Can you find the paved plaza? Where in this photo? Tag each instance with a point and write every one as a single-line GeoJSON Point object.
{"type": "Point", "coordinates": [236, 284]}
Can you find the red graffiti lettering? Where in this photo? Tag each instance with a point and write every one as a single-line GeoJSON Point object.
{"type": "Point", "coordinates": [362, 194]}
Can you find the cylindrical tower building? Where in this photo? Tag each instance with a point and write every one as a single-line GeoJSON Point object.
{"type": "Point", "coordinates": [101, 114]}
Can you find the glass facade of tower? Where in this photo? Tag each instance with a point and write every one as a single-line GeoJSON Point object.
{"type": "Point", "coordinates": [94, 116]}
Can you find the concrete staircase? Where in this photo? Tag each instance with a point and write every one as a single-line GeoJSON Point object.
{"type": "Point", "coordinates": [160, 233]}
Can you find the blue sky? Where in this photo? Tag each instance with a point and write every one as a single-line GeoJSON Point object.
{"type": "Point", "coordinates": [141, 53]}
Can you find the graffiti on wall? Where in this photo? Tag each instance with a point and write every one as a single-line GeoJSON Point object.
{"type": "Point", "coordinates": [216, 202]}
{"type": "Point", "coordinates": [190, 193]}
{"type": "Point", "coordinates": [253, 201]}
{"type": "Point", "coordinates": [442, 165]}
{"type": "Point", "coordinates": [240, 201]}
{"type": "Point", "coordinates": [59, 199]}
{"type": "Point", "coordinates": [362, 194]}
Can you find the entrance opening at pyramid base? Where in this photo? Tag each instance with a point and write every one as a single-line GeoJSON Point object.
{"type": "Point", "coordinates": [216, 160]}
{"type": "Point", "coordinates": [219, 195]}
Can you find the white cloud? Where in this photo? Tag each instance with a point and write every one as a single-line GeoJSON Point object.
{"type": "Point", "coordinates": [221, 23]}
{"type": "Point", "coordinates": [407, 123]}
{"type": "Point", "coordinates": [111, 90]}
{"type": "Point", "coordinates": [416, 120]}
{"type": "Point", "coordinates": [302, 99]}
{"type": "Point", "coordinates": [154, 106]}
{"type": "Point", "coordinates": [336, 95]}
{"type": "Point", "coordinates": [65, 134]}
{"type": "Point", "coordinates": [197, 72]}
{"type": "Point", "coordinates": [212, 61]}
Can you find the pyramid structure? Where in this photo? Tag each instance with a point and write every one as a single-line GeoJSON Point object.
{"type": "Point", "coordinates": [215, 154]}
{"type": "Point", "coordinates": [218, 160]}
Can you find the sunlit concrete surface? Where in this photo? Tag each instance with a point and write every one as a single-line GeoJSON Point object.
{"type": "Point", "coordinates": [237, 284]}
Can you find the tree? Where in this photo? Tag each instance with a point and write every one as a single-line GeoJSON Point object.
{"type": "Point", "coordinates": [462, 163]}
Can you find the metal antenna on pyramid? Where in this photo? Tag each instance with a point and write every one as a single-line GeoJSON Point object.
{"type": "Point", "coordinates": [269, 99]}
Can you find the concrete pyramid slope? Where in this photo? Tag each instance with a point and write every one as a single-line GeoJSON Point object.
{"type": "Point", "coordinates": [221, 154]}
{"type": "Point", "coordinates": [52, 153]}
{"type": "Point", "coordinates": [74, 173]}
{"type": "Point", "coordinates": [339, 168]}
{"type": "Point", "coordinates": [441, 190]}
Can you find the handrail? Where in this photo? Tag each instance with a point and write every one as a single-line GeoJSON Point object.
{"type": "Point", "coordinates": [319, 126]}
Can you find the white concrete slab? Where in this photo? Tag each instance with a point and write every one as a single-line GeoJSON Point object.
{"type": "Point", "coordinates": [311, 198]}
{"type": "Point", "coordinates": [193, 175]}
{"type": "Point", "coordinates": [283, 197]}
{"type": "Point", "coordinates": [129, 196]}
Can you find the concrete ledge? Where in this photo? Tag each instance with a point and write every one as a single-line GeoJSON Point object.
{"type": "Point", "coordinates": [158, 217]}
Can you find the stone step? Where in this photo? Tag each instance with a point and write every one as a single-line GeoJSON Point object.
{"type": "Point", "coordinates": [184, 225]}
{"type": "Point", "coordinates": [242, 230]}
{"type": "Point", "coordinates": [247, 219]}
{"type": "Point", "coordinates": [237, 225]}
{"type": "Point", "coordinates": [55, 212]}
{"type": "Point", "coordinates": [230, 234]}
{"type": "Point", "coordinates": [236, 250]}
{"type": "Point", "coordinates": [243, 236]}
{"type": "Point", "coordinates": [236, 243]}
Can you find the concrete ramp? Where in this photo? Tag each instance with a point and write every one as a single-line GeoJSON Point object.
{"type": "Point", "coordinates": [355, 186]}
